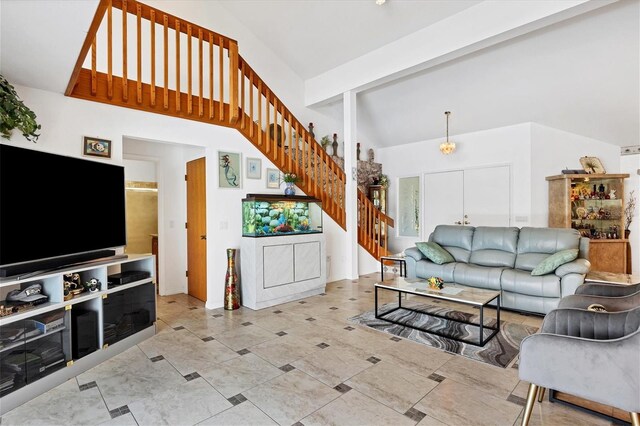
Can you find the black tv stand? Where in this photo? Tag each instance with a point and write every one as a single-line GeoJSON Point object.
{"type": "Point", "coordinates": [53, 263]}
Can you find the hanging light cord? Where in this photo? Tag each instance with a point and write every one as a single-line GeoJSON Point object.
{"type": "Point", "coordinates": [447, 114]}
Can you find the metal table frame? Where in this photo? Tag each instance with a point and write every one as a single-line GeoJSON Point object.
{"type": "Point", "coordinates": [482, 340]}
{"type": "Point", "coordinates": [399, 260]}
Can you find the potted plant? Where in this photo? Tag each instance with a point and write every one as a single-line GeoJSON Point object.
{"type": "Point", "coordinates": [14, 114]}
{"type": "Point", "coordinates": [325, 141]}
{"type": "Point", "coordinates": [290, 180]}
{"type": "Point", "coordinates": [629, 211]}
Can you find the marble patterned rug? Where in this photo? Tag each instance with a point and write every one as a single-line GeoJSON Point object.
{"type": "Point", "coordinates": [501, 350]}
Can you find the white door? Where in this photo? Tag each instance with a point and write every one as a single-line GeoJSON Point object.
{"type": "Point", "coordinates": [443, 200]}
{"type": "Point", "coordinates": [487, 196]}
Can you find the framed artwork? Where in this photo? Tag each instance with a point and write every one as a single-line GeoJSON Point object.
{"type": "Point", "coordinates": [96, 147]}
{"type": "Point", "coordinates": [409, 206]}
{"type": "Point", "coordinates": [229, 170]}
{"type": "Point", "coordinates": [592, 165]}
{"type": "Point", "coordinates": [254, 168]}
{"type": "Point", "coordinates": [273, 178]}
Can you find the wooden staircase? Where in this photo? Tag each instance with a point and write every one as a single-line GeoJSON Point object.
{"type": "Point", "coordinates": [221, 89]}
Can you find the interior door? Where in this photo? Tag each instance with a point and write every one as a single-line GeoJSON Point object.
{"type": "Point", "coordinates": [197, 229]}
{"type": "Point", "coordinates": [487, 199]}
{"type": "Point", "coordinates": [443, 199]}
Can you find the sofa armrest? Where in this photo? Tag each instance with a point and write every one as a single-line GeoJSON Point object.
{"type": "Point", "coordinates": [578, 266]}
{"type": "Point", "coordinates": [414, 253]}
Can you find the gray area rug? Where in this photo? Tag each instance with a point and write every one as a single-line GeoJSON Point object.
{"type": "Point", "coordinates": [500, 351]}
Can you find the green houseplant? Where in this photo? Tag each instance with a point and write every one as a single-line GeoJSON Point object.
{"type": "Point", "coordinates": [14, 114]}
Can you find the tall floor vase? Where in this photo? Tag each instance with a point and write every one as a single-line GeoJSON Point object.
{"type": "Point", "coordinates": [231, 283]}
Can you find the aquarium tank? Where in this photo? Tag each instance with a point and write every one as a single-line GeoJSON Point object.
{"type": "Point", "coordinates": [266, 215]}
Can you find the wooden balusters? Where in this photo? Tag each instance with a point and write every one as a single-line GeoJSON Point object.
{"type": "Point", "coordinates": [166, 61]}
{"type": "Point", "coordinates": [200, 70]}
{"type": "Point", "coordinates": [259, 113]}
{"type": "Point", "coordinates": [233, 82]}
{"type": "Point", "coordinates": [283, 136]}
{"type": "Point", "coordinates": [110, 51]}
{"type": "Point", "coordinates": [221, 67]}
{"type": "Point", "coordinates": [251, 103]}
{"type": "Point", "coordinates": [178, 66]}
{"type": "Point", "coordinates": [93, 67]}
{"type": "Point", "coordinates": [244, 112]}
{"type": "Point", "coordinates": [125, 80]}
{"type": "Point", "coordinates": [267, 103]}
{"type": "Point", "coordinates": [152, 90]}
{"type": "Point", "coordinates": [211, 108]}
{"type": "Point", "coordinates": [139, 53]}
{"type": "Point", "coordinates": [189, 71]}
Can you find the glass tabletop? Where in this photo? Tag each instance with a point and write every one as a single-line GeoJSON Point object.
{"type": "Point", "coordinates": [450, 291]}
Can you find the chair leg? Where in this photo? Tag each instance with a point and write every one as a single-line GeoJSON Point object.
{"type": "Point", "coordinates": [635, 419]}
{"type": "Point", "coordinates": [528, 408]}
{"type": "Point", "coordinates": [541, 393]}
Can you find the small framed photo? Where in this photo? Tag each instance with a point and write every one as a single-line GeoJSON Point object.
{"type": "Point", "coordinates": [592, 165]}
{"type": "Point", "coordinates": [254, 168]}
{"type": "Point", "coordinates": [229, 170]}
{"type": "Point", "coordinates": [273, 178]}
{"type": "Point", "coordinates": [96, 147]}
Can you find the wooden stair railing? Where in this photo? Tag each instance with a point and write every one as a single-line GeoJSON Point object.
{"type": "Point", "coordinates": [228, 92]}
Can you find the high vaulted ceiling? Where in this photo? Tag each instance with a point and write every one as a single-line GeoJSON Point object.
{"type": "Point", "coordinates": [580, 75]}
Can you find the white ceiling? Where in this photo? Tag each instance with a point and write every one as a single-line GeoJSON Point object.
{"type": "Point", "coordinates": [581, 75]}
{"type": "Point", "coordinates": [314, 36]}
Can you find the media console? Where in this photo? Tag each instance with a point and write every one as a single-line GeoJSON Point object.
{"type": "Point", "coordinates": [50, 343]}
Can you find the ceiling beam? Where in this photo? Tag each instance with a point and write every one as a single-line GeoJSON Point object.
{"type": "Point", "coordinates": [478, 27]}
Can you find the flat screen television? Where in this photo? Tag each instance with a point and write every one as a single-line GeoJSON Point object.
{"type": "Point", "coordinates": [57, 210]}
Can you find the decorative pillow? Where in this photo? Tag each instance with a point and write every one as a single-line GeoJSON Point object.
{"type": "Point", "coordinates": [435, 253]}
{"type": "Point", "coordinates": [550, 264]}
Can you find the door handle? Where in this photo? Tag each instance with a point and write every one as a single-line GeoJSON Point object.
{"type": "Point", "coordinates": [203, 237]}
{"type": "Point", "coordinates": [457, 222]}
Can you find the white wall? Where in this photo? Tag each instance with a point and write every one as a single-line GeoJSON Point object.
{"type": "Point", "coordinates": [66, 120]}
{"type": "Point", "coordinates": [553, 150]}
{"type": "Point", "coordinates": [631, 164]}
{"type": "Point", "coordinates": [505, 145]}
{"type": "Point", "coordinates": [139, 170]}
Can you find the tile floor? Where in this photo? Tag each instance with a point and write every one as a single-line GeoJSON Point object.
{"type": "Point", "coordinates": [299, 363]}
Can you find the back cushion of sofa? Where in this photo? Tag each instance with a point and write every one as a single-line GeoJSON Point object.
{"type": "Point", "coordinates": [494, 246]}
{"type": "Point", "coordinates": [456, 240]}
{"type": "Point", "coordinates": [536, 244]}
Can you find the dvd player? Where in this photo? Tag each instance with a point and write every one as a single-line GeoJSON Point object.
{"type": "Point", "coordinates": [126, 277]}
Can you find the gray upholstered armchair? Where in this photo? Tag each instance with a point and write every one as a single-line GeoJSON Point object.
{"type": "Point", "coordinates": [592, 355]}
{"type": "Point", "coordinates": [614, 298]}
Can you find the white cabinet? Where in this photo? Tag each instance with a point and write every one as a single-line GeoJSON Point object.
{"type": "Point", "coordinates": [474, 197]}
{"type": "Point", "coordinates": [280, 269]}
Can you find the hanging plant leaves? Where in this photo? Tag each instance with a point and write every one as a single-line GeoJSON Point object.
{"type": "Point", "coordinates": [15, 115]}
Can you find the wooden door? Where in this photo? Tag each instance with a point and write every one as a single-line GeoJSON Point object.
{"type": "Point", "coordinates": [487, 199]}
{"type": "Point", "coordinates": [443, 195]}
{"type": "Point", "coordinates": [197, 229]}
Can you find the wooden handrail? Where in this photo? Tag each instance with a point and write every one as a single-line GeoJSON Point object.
{"type": "Point", "coordinates": [262, 118]}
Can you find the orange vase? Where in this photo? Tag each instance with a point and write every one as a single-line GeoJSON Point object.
{"type": "Point", "coordinates": [231, 283]}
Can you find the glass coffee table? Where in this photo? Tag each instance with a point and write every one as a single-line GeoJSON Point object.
{"type": "Point", "coordinates": [451, 292]}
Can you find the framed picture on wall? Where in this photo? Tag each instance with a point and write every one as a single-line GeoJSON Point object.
{"type": "Point", "coordinates": [229, 170]}
{"type": "Point", "coordinates": [96, 147]}
{"type": "Point", "coordinates": [273, 178]}
{"type": "Point", "coordinates": [409, 206]}
{"type": "Point", "coordinates": [254, 168]}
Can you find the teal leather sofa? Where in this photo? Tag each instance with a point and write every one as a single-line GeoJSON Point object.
{"type": "Point", "coordinates": [502, 258]}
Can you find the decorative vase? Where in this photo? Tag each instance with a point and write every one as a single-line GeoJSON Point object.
{"type": "Point", "coordinates": [627, 232]}
{"type": "Point", "coordinates": [334, 145]}
{"type": "Point", "coordinates": [231, 283]}
{"type": "Point", "coordinates": [290, 189]}
{"type": "Point", "coordinates": [358, 151]}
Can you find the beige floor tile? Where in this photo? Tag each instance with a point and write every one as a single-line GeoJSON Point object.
{"type": "Point", "coordinates": [123, 420]}
{"type": "Point", "coordinates": [354, 408]}
{"type": "Point", "coordinates": [290, 397]}
{"type": "Point", "coordinates": [63, 405]}
{"type": "Point", "coordinates": [415, 357]}
{"type": "Point", "coordinates": [245, 337]}
{"type": "Point", "coordinates": [456, 404]}
{"type": "Point", "coordinates": [284, 350]}
{"type": "Point", "coordinates": [239, 374]}
{"type": "Point", "coordinates": [391, 385]}
{"type": "Point", "coordinates": [430, 421]}
{"type": "Point", "coordinates": [241, 415]}
{"type": "Point", "coordinates": [333, 366]}
{"type": "Point", "coordinates": [187, 404]}
{"type": "Point", "coordinates": [484, 377]}
{"type": "Point", "coordinates": [558, 414]}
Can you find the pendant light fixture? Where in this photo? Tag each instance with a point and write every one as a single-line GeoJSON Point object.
{"type": "Point", "coordinates": [447, 147]}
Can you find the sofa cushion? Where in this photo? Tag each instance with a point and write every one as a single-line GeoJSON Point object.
{"type": "Point", "coordinates": [455, 239]}
{"type": "Point", "coordinates": [426, 269]}
{"type": "Point", "coordinates": [551, 263]}
{"type": "Point", "coordinates": [477, 276]}
{"type": "Point", "coordinates": [535, 244]}
{"type": "Point", "coordinates": [522, 282]}
{"type": "Point", "coordinates": [494, 246]}
{"type": "Point", "coordinates": [435, 253]}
